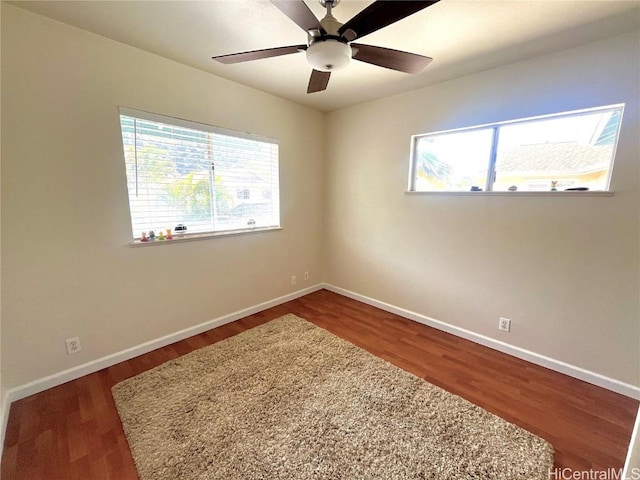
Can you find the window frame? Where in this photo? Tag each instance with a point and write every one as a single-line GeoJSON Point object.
{"type": "Point", "coordinates": [491, 172]}
{"type": "Point", "coordinates": [203, 127]}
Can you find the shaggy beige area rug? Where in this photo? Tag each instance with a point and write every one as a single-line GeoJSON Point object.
{"type": "Point", "coordinates": [289, 400]}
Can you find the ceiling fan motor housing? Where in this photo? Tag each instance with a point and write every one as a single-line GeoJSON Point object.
{"type": "Point", "coordinates": [329, 51]}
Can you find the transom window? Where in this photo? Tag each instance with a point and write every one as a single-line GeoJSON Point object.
{"type": "Point", "coordinates": [197, 176]}
{"type": "Point", "coordinates": [566, 151]}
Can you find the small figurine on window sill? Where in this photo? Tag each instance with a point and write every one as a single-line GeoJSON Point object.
{"type": "Point", "coordinates": [160, 235]}
{"type": "Point", "coordinates": [554, 185]}
{"type": "Point", "coordinates": [152, 235]}
{"type": "Point", "coordinates": [144, 238]}
{"type": "Point", "coordinates": [169, 236]}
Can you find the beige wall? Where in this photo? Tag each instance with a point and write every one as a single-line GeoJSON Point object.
{"type": "Point", "coordinates": [67, 267]}
{"type": "Point", "coordinates": [565, 270]}
{"type": "Point", "coordinates": [2, 389]}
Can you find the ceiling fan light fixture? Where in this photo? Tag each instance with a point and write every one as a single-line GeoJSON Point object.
{"type": "Point", "coordinates": [328, 55]}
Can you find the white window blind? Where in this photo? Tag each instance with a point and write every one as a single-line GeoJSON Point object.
{"type": "Point", "coordinates": [186, 173]}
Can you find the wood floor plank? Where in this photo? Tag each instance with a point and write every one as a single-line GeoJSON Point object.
{"type": "Point", "coordinates": [73, 430]}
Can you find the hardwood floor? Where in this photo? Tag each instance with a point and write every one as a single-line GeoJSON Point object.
{"type": "Point", "coordinates": [73, 431]}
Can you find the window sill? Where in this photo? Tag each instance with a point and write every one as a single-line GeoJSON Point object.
{"type": "Point", "coordinates": [593, 193]}
{"type": "Point", "coordinates": [188, 237]}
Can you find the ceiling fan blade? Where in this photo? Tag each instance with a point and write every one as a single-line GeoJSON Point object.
{"type": "Point", "coordinates": [389, 58]}
{"type": "Point", "coordinates": [382, 13]}
{"type": "Point", "coordinates": [318, 81]}
{"type": "Point", "coordinates": [300, 14]}
{"type": "Point", "coordinates": [258, 54]}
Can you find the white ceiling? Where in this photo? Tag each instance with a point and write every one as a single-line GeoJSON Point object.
{"type": "Point", "coordinates": [462, 36]}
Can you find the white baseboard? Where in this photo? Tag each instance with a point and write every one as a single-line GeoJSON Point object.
{"type": "Point", "coordinates": [634, 449]}
{"type": "Point", "coordinates": [536, 358]}
{"type": "Point", "coordinates": [5, 404]}
{"type": "Point", "coordinates": [81, 370]}
{"type": "Point", "coordinates": [109, 360]}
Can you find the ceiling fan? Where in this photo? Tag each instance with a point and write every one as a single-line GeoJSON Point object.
{"type": "Point", "coordinates": [329, 43]}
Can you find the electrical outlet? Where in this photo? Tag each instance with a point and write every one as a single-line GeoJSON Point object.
{"type": "Point", "coordinates": [504, 324]}
{"type": "Point", "coordinates": [73, 345]}
{"type": "Point", "coordinates": [306, 275]}
{"type": "Point", "coordinates": [293, 279]}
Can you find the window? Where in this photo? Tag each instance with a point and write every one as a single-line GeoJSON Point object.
{"type": "Point", "coordinates": [196, 175]}
{"type": "Point", "coordinates": [573, 150]}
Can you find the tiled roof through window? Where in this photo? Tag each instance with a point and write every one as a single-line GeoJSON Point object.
{"type": "Point", "coordinates": [569, 158]}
